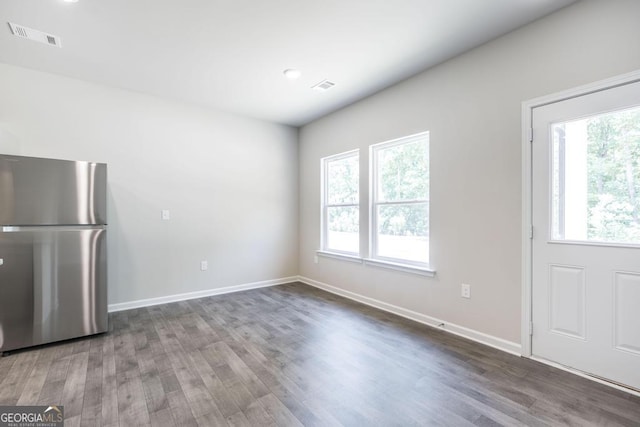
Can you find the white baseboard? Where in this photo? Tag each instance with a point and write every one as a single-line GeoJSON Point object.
{"type": "Point", "coordinates": [198, 294]}
{"type": "Point", "coordinates": [491, 341]}
{"type": "Point", "coordinates": [480, 337]}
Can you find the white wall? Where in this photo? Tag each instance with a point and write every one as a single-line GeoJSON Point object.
{"type": "Point", "coordinates": [229, 182]}
{"type": "Point", "coordinates": [471, 105]}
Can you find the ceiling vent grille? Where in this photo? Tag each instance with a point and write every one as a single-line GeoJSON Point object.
{"type": "Point", "coordinates": [35, 35]}
{"type": "Point", "coordinates": [323, 86]}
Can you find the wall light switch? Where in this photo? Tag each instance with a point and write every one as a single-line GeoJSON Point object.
{"type": "Point", "coordinates": [1, 261]}
{"type": "Point", "coordinates": [166, 215]}
{"type": "Point", "coordinates": [315, 259]}
{"type": "Point", "coordinates": [204, 265]}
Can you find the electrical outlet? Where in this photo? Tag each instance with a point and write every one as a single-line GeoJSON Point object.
{"type": "Point", "coordinates": [166, 215]}
{"type": "Point", "coordinates": [204, 265]}
{"type": "Point", "coordinates": [466, 291]}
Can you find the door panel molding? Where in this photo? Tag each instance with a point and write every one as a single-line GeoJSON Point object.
{"type": "Point", "coordinates": [564, 318]}
{"type": "Point", "coordinates": [626, 288]}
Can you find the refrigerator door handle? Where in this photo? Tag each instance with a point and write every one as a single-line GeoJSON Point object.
{"type": "Point", "coordinates": [21, 228]}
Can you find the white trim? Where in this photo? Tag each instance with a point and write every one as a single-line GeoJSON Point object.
{"type": "Point", "coordinates": [586, 375]}
{"type": "Point", "coordinates": [587, 89]}
{"type": "Point", "coordinates": [527, 221]}
{"type": "Point", "coordinates": [527, 124]}
{"type": "Point", "coordinates": [594, 243]}
{"type": "Point", "coordinates": [341, 256]}
{"type": "Point", "coordinates": [198, 294]}
{"type": "Point", "coordinates": [480, 337]}
{"type": "Point", "coordinates": [416, 137]}
{"type": "Point", "coordinates": [407, 268]}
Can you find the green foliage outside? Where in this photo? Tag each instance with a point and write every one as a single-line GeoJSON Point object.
{"type": "Point", "coordinates": [344, 219]}
{"type": "Point", "coordinates": [404, 176]}
{"type": "Point", "coordinates": [613, 169]}
{"type": "Point", "coordinates": [343, 182]}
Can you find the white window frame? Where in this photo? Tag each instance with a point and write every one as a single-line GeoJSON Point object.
{"type": "Point", "coordinates": [375, 203]}
{"type": "Point", "coordinates": [325, 205]}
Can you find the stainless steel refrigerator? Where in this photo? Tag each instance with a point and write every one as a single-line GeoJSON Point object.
{"type": "Point", "coordinates": [53, 250]}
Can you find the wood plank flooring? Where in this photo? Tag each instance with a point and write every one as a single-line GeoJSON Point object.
{"type": "Point", "coordinates": [293, 355]}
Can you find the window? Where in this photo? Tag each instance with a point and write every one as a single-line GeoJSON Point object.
{"type": "Point", "coordinates": [400, 200]}
{"type": "Point", "coordinates": [340, 204]}
{"type": "Point", "coordinates": [596, 178]}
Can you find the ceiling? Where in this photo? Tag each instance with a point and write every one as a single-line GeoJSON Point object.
{"type": "Point", "coordinates": [230, 54]}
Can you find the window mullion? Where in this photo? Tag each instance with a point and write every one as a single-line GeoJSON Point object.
{"type": "Point", "coordinates": [408, 202]}
{"type": "Point", "coordinates": [342, 205]}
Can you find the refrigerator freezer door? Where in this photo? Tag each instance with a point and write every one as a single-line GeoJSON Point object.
{"type": "Point", "coordinates": [53, 285]}
{"type": "Point", "coordinates": [37, 191]}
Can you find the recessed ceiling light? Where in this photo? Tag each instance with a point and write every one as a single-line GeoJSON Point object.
{"type": "Point", "coordinates": [292, 73]}
{"type": "Point", "coordinates": [70, 1]}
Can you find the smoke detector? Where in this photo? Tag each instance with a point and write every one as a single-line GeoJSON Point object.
{"type": "Point", "coordinates": [35, 35]}
{"type": "Point", "coordinates": [323, 86]}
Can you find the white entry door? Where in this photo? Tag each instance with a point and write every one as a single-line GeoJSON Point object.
{"type": "Point", "coordinates": [586, 235]}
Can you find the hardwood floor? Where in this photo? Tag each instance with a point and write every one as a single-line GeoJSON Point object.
{"type": "Point", "coordinates": [293, 355]}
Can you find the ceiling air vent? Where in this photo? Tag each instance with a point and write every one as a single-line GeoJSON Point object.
{"type": "Point", "coordinates": [323, 86]}
{"type": "Point", "coordinates": [35, 35]}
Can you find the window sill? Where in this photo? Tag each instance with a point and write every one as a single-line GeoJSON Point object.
{"type": "Point", "coordinates": [406, 268]}
{"type": "Point", "coordinates": [337, 255]}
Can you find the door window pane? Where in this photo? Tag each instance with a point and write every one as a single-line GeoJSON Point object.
{"type": "Point", "coordinates": [595, 187]}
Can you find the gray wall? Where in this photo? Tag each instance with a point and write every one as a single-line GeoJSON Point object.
{"type": "Point", "coordinates": [471, 105]}
{"type": "Point", "coordinates": [229, 182]}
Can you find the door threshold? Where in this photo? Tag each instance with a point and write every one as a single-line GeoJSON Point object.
{"type": "Point", "coordinates": [610, 383]}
